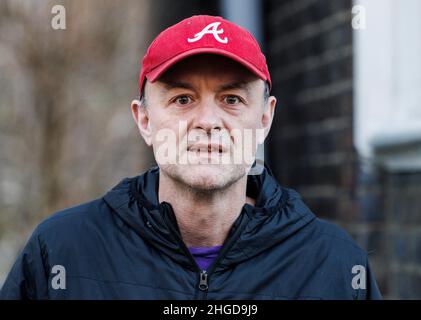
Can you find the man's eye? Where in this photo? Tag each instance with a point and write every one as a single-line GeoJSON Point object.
{"type": "Point", "coordinates": [232, 100]}
{"type": "Point", "coordinates": [183, 100]}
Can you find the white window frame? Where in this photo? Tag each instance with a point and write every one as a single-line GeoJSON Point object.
{"type": "Point", "coordinates": [387, 83]}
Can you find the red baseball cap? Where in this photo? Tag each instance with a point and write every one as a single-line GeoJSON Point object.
{"type": "Point", "coordinates": [203, 34]}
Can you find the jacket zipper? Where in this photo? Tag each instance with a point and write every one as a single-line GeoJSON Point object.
{"type": "Point", "coordinates": [203, 282]}
{"type": "Point", "coordinates": [204, 275]}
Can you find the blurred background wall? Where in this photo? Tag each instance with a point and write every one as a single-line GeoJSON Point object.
{"type": "Point", "coordinates": [346, 133]}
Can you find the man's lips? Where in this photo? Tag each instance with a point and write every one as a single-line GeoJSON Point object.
{"type": "Point", "coordinates": [201, 147]}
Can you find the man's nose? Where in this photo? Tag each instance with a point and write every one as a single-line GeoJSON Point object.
{"type": "Point", "coordinates": [207, 117]}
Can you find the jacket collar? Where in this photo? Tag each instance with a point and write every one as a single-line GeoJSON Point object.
{"type": "Point", "coordinates": [278, 213]}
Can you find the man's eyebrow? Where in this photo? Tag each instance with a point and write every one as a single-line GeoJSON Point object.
{"type": "Point", "coordinates": [243, 85]}
{"type": "Point", "coordinates": [176, 85]}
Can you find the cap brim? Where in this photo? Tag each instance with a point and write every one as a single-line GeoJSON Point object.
{"type": "Point", "coordinates": [154, 74]}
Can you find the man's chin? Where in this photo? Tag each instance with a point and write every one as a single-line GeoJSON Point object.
{"type": "Point", "coordinates": [207, 177]}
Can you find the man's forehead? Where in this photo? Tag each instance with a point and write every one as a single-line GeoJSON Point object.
{"type": "Point", "coordinates": [209, 66]}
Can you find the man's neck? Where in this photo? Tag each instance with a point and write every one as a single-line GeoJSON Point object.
{"type": "Point", "coordinates": [204, 219]}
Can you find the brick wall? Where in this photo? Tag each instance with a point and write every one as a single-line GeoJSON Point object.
{"type": "Point", "coordinates": [389, 228]}
{"type": "Point", "coordinates": [309, 50]}
{"type": "Point", "coordinates": [403, 235]}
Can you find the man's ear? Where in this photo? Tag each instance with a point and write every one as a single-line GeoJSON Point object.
{"type": "Point", "coordinates": [267, 116]}
{"type": "Point", "coordinates": [141, 118]}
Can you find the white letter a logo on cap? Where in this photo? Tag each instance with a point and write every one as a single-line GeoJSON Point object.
{"type": "Point", "coordinates": [211, 28]}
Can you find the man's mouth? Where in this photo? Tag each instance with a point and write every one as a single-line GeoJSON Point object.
{"type": "Point", "coordinates": [206, 148]}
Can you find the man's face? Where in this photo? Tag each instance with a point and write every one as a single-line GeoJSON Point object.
{"type": "Point", "coordinates": [214, 110]}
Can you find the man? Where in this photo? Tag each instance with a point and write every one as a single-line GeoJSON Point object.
{"type": "Point", "coordinates": [198, 226]}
